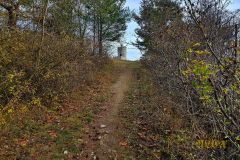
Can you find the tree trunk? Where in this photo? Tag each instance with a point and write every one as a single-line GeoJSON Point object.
{"type": "Point", "coordinates": [100, 41]}
{"type": "Point", "coordinates": [100, 48]}
{"type": "Point", "coordinates": [12, 14]}
{"type": "Point", "coordinates": [12, 19]}
{"type": "Point", "coordinates": [94, 34]}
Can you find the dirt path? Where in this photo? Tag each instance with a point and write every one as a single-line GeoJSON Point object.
{"type": "Point", "coordinates": [103, 137]}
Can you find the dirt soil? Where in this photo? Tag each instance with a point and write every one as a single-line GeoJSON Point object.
{"type": "Point", "coordinates": [103, 139]}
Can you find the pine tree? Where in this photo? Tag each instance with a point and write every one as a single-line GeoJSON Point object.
{"type": "Point", "coordinates": [109, 19]}
{"type": "Point", "coordinates": [155, 15]}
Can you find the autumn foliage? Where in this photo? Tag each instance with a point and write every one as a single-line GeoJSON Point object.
{"type": "Point", "coordinates": [191, 49]}
{"type": "Point", "coordinates": [34, 75]}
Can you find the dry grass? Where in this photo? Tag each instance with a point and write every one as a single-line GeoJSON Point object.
{"type": "Point", "coordinates": [48, 133]}
{"type": "Point", "coordinates": [155, 125]}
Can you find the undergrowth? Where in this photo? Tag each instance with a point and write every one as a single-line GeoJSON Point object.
{"type": "Point", "coordinates": [155, 125]}
{"type": "Point", "coordinates": [48, 93]}
{"type": "Point", "coordinates": [43, 133]}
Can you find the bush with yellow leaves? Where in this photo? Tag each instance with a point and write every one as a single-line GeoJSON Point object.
{"type": "Point", "coordinates": [39, 73]}
{"type": "Point", "coordinates": [217, 85]}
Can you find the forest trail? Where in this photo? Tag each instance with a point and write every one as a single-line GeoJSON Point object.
{"type": "Point", "coordinates": [103, 138]}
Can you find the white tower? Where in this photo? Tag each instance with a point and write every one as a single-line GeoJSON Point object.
{"type": "Point", "coordinates": [122, 52]}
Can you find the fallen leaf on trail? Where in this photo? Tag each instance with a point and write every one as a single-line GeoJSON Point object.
{"type": "Point", "coordinates": [50, 119]}
{"type": "Point", "coordinates": [123, 143]}
{"type": "Point", "coordinates": [53, 134]}
{"type": "Point", "coordinates": [143, 136]}
{"type": "Point", "coordinates": [154, 138]}
{"type": "Point", "coordinates": [23, 142]}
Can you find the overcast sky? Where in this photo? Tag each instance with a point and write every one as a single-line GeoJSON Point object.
{"type": "Point", "coordinates": [132, 52]}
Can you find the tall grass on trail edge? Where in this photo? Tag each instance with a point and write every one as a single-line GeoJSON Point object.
{"type": "Point", "coordinates": [42, 133]}
{"type": "Point", "coordinates": [155, 125]}
{"type": "Point", "coordinates": [46, 102]}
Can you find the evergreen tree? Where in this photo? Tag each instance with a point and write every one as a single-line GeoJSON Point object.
{"type": "Point", "coordinates": [155, 15]}
{"type": "Point", "coordinates": [109, 20]}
